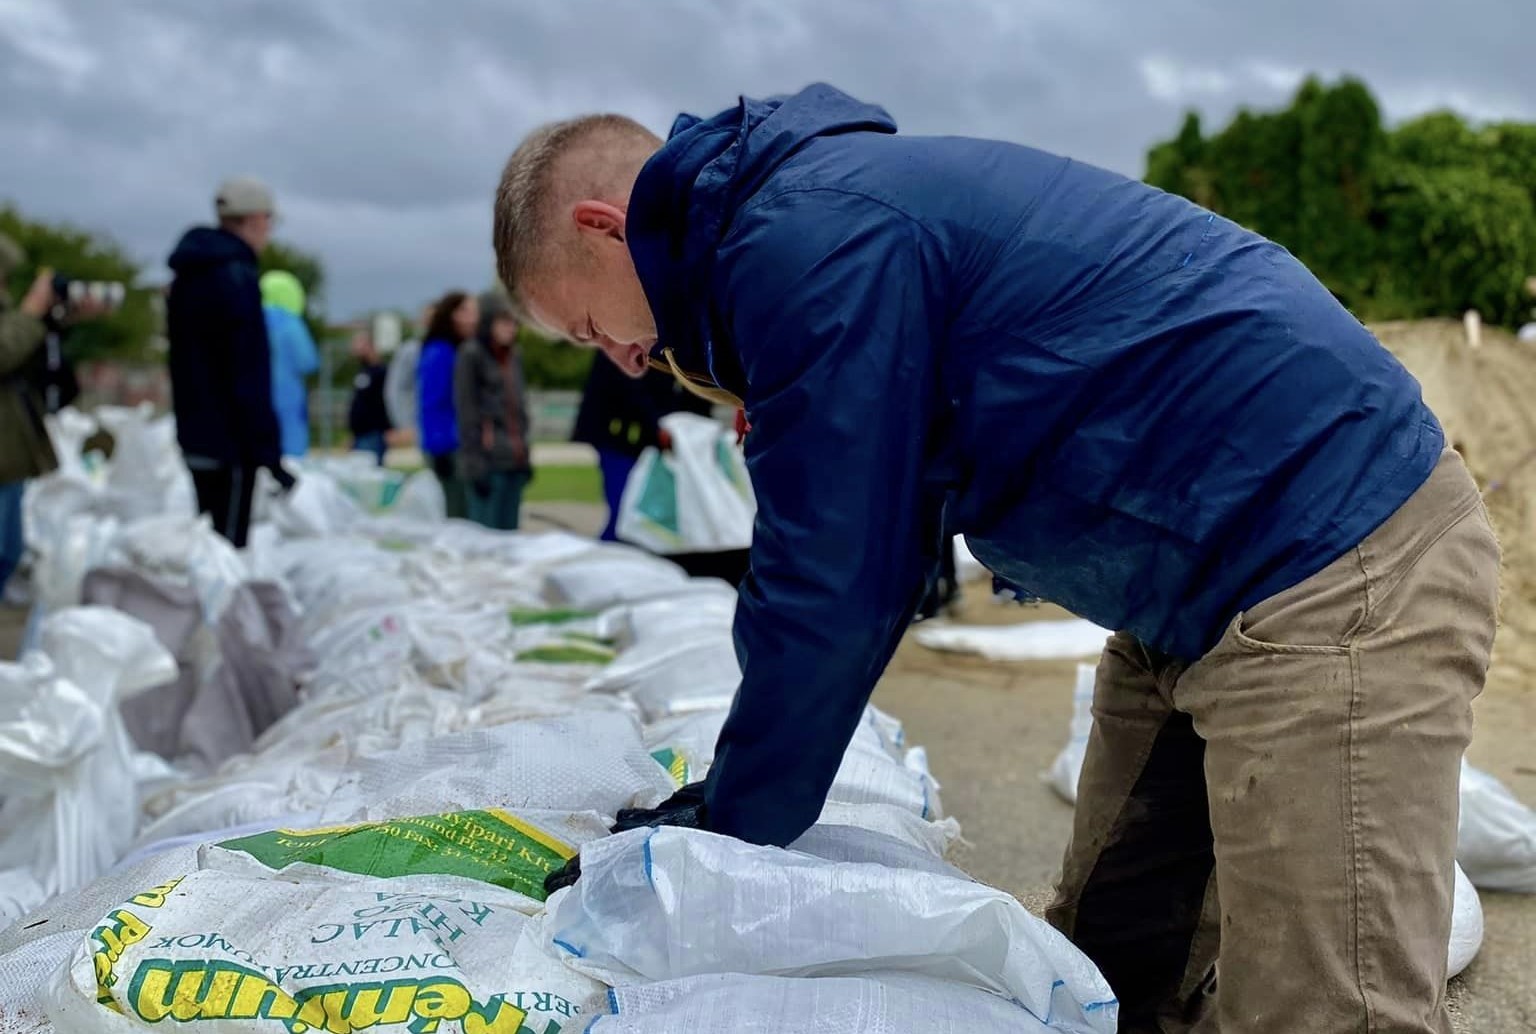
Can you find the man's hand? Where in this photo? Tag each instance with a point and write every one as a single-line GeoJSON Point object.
{"type": "Point", "coordinates": [285, 481]}
{"type": "Point", "coordinates": [663, 439]}
{"type": "Point", "coordinates": [685, 809]}
{"type": "Point", "coordinates": [39, 298]}
{"type": "Point", "coordinates": [481, 486]}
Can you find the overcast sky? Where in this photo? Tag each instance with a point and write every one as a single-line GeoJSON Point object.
{"type": "Point", "coordinates": [382, 124]}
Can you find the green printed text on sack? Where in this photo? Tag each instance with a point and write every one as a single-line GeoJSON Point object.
{"type": "Point", "coordinates": [491, 846]}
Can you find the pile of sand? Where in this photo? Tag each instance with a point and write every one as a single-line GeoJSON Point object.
{"type": "Point", "coordinates": [1486, 399]}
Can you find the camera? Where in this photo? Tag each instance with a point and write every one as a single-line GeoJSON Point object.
{"type": "Point", "coordinates": [71, 292]}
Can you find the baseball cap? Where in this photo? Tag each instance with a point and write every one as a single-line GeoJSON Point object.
{"type": "Point", "coordinates": [243, 195]}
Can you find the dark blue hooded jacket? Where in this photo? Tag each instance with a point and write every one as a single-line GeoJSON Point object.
{"type": "Point", "coordinates": [220, 360]}
{"type": "Point", "coordinates": [1128, 405]}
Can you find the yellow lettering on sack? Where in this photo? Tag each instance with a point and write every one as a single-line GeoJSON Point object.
{"type": "Point", "coordinates": [116, 933]}
{"type": "Point", "coordinates": [155, 896]}
{"type": "Point", "coordinates": [219, 990]}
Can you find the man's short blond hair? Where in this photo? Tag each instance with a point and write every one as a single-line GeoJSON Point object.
{"type": "Point", "coordinates": [593, 156]}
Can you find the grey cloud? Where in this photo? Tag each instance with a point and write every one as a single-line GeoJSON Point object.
{"type": "Point", "coordinates": [382, 123]}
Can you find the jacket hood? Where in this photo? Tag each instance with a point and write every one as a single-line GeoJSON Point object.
{"type": "Point", "coordinates": [209, 245]}
{"type": "Point", "coordinates": [687, 193]}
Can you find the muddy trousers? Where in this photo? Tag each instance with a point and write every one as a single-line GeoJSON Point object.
{"type": "Point", "coordinates": [1264, 839]}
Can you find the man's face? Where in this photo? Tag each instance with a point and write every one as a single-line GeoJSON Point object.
{"type": "Point", "coordinates": [257, 231]}
{"type": "Point", "coordinates": [594, 297]}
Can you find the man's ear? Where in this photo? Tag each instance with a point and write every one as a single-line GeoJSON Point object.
{"type": "Point", "coordinates": [599, 217]}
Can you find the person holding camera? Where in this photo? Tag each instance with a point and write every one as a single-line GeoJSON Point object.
{"type": "Point", "coordinates": [25, 450]}
{"type": "Point", "coordinates": [220, 361]}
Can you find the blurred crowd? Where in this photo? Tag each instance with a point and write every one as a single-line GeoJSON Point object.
{"type": "Point", "coordinates": [241, 356]}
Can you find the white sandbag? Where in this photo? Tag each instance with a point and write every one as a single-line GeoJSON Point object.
{"type": "Point", "coordinates": [672, 619]}
{"type": "Point", "coordinates": [668, 903]}
{"type": "Point", "coordinates": [188, 550]}
{"type": "Point", "coordinates": [452, 854]}
{"type": "Point", "coordinates": [606, 580]}
{"type": "Point", "coordinates": [695, 498]}
{"type": "Point", "coordinates": [420, 498]}
{"type": "Point", "coordinates": [33, 950]}
{"type": "Point", "coordinates": [314, 507]}
{"type": "Point", "coordinates": [1029, 641]}
{"type": "Point", "coordinates": [876, 771]}
{"type": "Point", "coordinates": [868, 775]}
{"type": "Point", "coordinates": [857, 844]}
{"type": "Point", "coordinates": [1068, 766]}
{"type": "Point", "coordinates": [67, 431]}
{"type": "Point", "coordinates": [260, 956]}
{"type": "Point", "coordinates": [20, 893]}
{"type": "Point", "coordinates": [668, 678]}
{"type": "Point", "coordinates": [65, 545]}
{"type": "Point", "coordinates": [588, 762]}
{"type": "Point", "coordinates": [935, 836]}
{"type": "Point", "coordinates": [1496, 835]}
{"type": "Point", "coordinates": [1466, 925]}
{"type": "Point", "coordinates": [67, 765]}
{"type": "Point", "coordinates": [359, 477]}
{"type": "Point", "coordinates": [146, 476]}
{"type": "Point", "coordinates": [967, 567]}
{"type": "Point", "coordinates": [868, 1004]}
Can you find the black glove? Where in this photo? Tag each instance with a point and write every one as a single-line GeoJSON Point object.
{"type": "Point", "coordinates": [285, 481]}
{"type": "Point", "coordinates": [685, 808]}
{"type": "Point", "coordinates": [481, 486]}
{"type": "Point", "coordinates": [564, 876]}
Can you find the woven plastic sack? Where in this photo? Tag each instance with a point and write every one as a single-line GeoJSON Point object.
{"type": "Point", "coordinates": [608, 579]}
{"type": "Point", "coordinates": [587, 762]}
{"type": "Point", "coordinates": [1068, 766]}
{"type": "Point", "coordinates": [70, 803]}
{"type": "Point", "coordinates": [1031, 640]}
{"type": "Point", "coordinates": [1466, 925]}
{"type": "Point", "coordinates": [264, 956]}
{"type": "Point", "coordinates": [669, 678]}
{"type": "Point", "coordinates": [668, 903]}
{"type": "Point", "coordinates": [1496, 836]}
{"type": "Point", "coordinates": [868, 1004]}
{"type": "Point", "coordinates": [695, 498]}
{"type": "Point", "coordinates": [146, 476]}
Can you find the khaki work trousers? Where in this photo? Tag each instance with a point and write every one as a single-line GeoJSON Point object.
{"type": "Point", "coordinates": [1291, 798]}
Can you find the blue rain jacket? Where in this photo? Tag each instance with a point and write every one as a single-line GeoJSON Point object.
{"type": "Point", "coordinates": [1128, 405]}
{"type": "Point", "coordinates": [294, 358]}
{"type": "Point", "coordinates": [434, 395]}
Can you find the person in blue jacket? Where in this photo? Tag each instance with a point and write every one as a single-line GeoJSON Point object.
{"type": "Point", "coordinates": [1129, 406]}
{"type": "Point", "coordinates": [294, 357]}
{"type": "Point", "coordinates": [454, 319]}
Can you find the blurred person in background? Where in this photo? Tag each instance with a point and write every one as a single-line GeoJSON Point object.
{"type": "Point", "coordinates": [491, 401]}
{"type": "Point", "coordinates": [294, 357]}
{"type": "Point", "coordinates": [454, 321]}
{"type": "Point", "coordinates": [220, 359]}
{"type": "Point", "coordinates": [620, 418]}
{"type": "Point", "coordinates": [368, 417]}
{"type": "Point", "coordinates": [25, 450]}
{"type": "Point", "coordinates": [400, 382]}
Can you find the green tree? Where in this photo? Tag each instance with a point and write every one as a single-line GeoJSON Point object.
{"type": "Point", "coordinates": [83, 255]}
{"type": "Point", "coordinates": [1340, 135]}
{"type": "Point", "coordinates": [550, 363]}
{"type": "Point", "coordinates": [1430, 218]}
{"type": "Point", "coordinates": [1453, 239]}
